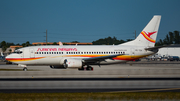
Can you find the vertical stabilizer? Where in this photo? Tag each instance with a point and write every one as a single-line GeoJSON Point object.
{"type": "Point", "coordinates": [148, 35]}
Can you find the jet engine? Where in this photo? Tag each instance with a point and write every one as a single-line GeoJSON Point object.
{"type": "Point", "coordinates": [72, 63]}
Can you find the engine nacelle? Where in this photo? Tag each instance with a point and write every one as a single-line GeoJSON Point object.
{"type": "Point", "coordinates": [57, 66]}
{"type": "Point", "coordinates": [72, 63]}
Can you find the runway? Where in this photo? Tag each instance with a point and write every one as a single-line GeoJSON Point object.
{"type": "Point", "coordinates": [109, 78]}
{"type": "Point", "coordinates": [135, 70]}
{"type": "Point", "coordinates": [89, 85]}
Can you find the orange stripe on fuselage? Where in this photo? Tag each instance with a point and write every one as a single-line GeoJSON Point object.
{"type": "Point", "coordinates": [122, 57]}
{"type": "Point", "coordinates": [22, 59]}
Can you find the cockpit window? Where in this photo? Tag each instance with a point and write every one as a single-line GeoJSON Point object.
{"type": "Point", "coordinates": [18, 51]}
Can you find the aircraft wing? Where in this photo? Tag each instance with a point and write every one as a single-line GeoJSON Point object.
{"type": "Point", "coordinates": [101, 58]}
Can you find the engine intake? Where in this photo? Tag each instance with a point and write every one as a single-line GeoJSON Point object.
{"type": "Point", "coordinates": [72, 63]}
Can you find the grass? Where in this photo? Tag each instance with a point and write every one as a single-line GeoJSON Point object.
{"type": "Point", "coordinates": [140, 96]}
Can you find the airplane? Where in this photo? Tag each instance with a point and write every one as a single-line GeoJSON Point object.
{"type": "Point", "coordinates": [79, 56]}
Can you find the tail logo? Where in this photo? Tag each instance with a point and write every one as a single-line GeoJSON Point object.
{"type": "Point", "coordinates": [148, 36]}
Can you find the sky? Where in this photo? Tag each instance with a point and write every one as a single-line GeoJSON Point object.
{"type": "Point", "coordinates": [83, 20]}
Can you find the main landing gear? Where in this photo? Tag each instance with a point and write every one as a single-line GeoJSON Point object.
{"type": "Point", "coordinates": [25, 69]}
{"type": "Point", "coordinates": [86, 68]}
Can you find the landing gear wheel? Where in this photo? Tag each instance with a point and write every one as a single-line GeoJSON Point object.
{"type": "Point", "coordinates": [89, 68]}
{"type": "Point", "coordinates": [25, 69]}
{"type": "Point", "coordinates": [82, 68]}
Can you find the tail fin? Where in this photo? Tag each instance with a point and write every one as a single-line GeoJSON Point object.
{"type": "Point", "coordinates": [148, 35]}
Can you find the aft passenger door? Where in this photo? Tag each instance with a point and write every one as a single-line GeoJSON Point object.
{"type": "Point", "coordinates": [132, 52]}
{"type": "Point", "coordinates": [31, 53]}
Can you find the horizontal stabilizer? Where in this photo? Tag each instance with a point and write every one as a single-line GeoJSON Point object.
{"type": "Point", "coordinates": [157, 47]}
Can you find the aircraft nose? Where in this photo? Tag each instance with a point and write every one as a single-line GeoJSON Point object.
{"type": "Point", "coordinates": [7, 57]}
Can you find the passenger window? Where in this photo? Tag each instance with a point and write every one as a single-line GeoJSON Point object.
{"type": "Point", "coordinates": [66, 52]}
{"type": "Point", "coordinates": [81, 52]}
{"type": "Point", "coordinates": [44, 52]}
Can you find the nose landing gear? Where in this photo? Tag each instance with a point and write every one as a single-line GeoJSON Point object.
{"type": "Point", "coordinates": [25, 69]}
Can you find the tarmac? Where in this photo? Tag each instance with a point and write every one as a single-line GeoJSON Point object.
{"type": "Point", "coordinates": [128, 70]}
{"type": "Point", "coordinates": [128, 77]}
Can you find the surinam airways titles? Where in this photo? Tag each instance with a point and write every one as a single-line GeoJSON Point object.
{"type": "Point", "coordinates": [57, 49]}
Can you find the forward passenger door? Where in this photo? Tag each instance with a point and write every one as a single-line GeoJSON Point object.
{"type": "Point", "coordinates": [31, 53]}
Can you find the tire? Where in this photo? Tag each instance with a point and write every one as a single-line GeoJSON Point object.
{"type": "Point", "coordinates": [25, 69]}
{"type": "Point", "coordinates": [89, 68]}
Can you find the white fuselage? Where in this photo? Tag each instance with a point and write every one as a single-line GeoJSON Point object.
{"type": "Point", "coordinates": [54, 55]}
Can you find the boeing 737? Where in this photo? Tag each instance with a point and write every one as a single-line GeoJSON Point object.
{"type": "Point", "coordinates": [82, 57]}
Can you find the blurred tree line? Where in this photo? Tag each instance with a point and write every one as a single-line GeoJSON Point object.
{"type": "Point", "coordinates": [171, 38]}
{"type": "Point", "coordinates": [109, 41]}
{"type": "Point", "coordinates": [4, 45]}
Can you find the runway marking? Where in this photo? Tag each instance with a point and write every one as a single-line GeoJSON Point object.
{"type": "Point", "coordinates": [146, 90]}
